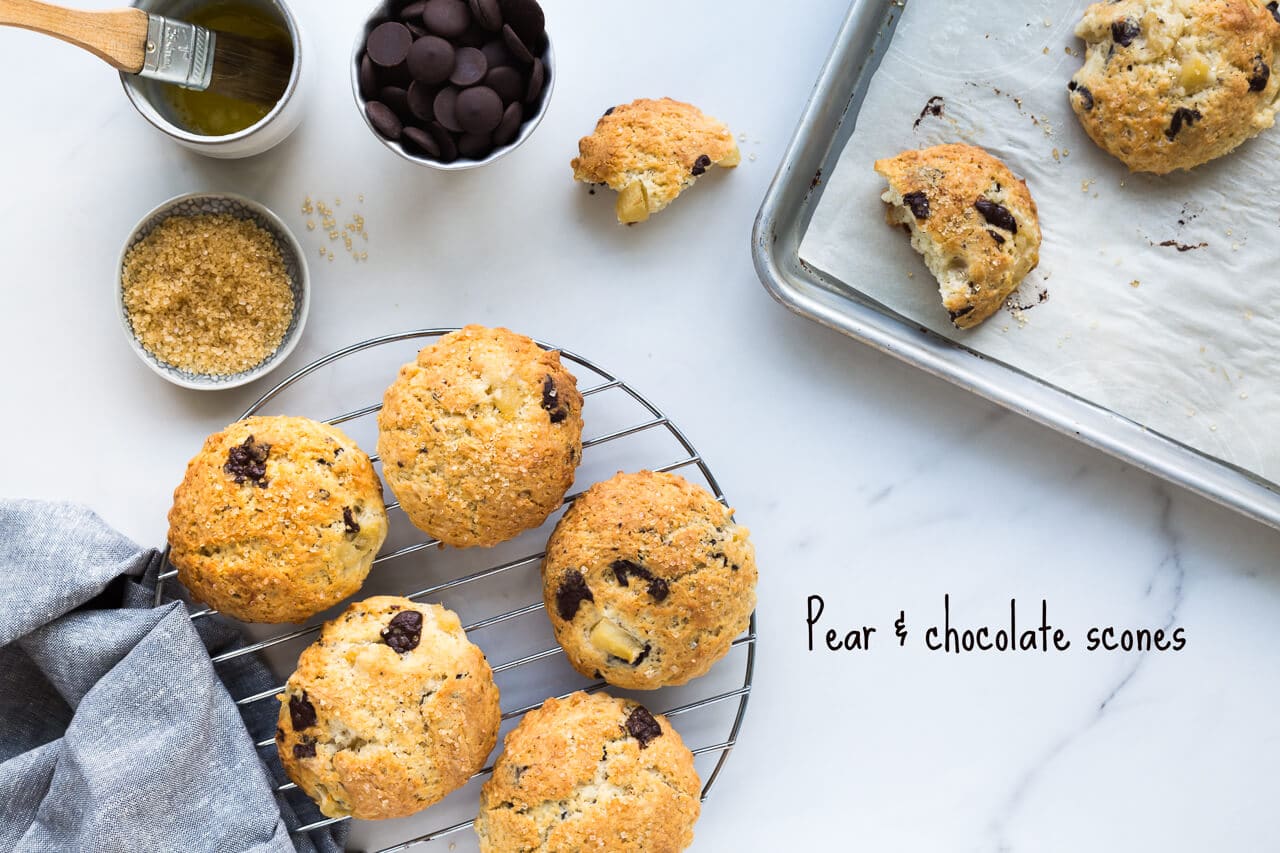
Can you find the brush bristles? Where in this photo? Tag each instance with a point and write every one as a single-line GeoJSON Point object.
{"type": "Point", "coordinates": [249, 69]}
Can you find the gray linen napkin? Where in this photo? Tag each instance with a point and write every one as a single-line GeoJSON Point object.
{"type": "Point", "coordinates": [116, 732]}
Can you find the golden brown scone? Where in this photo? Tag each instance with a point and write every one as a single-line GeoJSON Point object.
{"type": "Point", "coordinates": [590, 772]}
{"type": "Point", "coordinates": [480, 436]}
{"type": "Point", "coordinates": [276, 519]}
{"type": "Point", "coordinates": [390, 710]}
{"type": "Point", "coordinates": [974, 222]}
{"type": "Point", "coordinates": [1171, 84]}
{"type": "Point", "coordinates": [647, 581]}
{"type": "Point", "coordinates": [650, 151]}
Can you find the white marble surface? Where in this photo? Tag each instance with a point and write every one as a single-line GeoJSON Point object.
{"type": "Point", "coordinates": [863, 481]}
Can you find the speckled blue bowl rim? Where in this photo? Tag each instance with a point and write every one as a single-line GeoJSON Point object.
{"type": "Point", "coordinates": [295, 264]}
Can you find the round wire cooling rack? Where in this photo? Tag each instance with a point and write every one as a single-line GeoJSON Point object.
{"type": "Point", "coordinates": [496, 591]}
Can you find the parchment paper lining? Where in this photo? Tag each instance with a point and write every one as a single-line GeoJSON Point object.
{"type": "Point", "coordinates": [1156, 297]}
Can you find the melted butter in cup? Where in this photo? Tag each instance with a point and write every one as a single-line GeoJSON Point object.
{"type": "Point", "coordinates": [215, 125]}
{"type": "Point", "coordinates": [211, 114]}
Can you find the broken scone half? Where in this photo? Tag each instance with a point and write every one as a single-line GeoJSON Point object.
{"type": "Point", "coordinates": [649, 151]}
{"type": "Point", "coordinates": [974, 222]}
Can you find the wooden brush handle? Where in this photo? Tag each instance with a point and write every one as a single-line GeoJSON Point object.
{"type": "Point", "coordinates": [118, 36]}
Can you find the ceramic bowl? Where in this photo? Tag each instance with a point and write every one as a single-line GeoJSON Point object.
{"type": "Point", "coordinates": [385, 11]}
{"type": "Point", "coordinates": [295, 264]}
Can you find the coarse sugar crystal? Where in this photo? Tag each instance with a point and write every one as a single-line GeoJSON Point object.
{"type": "Point", "coordinates": [208, 293]}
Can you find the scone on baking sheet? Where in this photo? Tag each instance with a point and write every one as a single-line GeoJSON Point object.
{"type": "Point", "coordinates": [276, 519]}
{"type": "Point", "coordinates": [649, 151]}
{"type": "Point", "coordinates": [390, 710]}
{"type": "Point", "coordinates": [590, 772]}
{"type": "Point", "coordinates": [971, 219]}
{"type": "Point", "coordinates": [647, 581]}
{"type": "Point", "coordinates": [480, 436]}
{"type": "Point", "coordinates": [1171, 84]}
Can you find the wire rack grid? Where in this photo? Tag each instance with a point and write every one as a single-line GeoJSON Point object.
{"type": "Point", "coordinates": [727, 687]}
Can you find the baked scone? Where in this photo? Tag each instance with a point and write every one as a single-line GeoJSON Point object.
{"type": "Point", "coordinates": [480, 436]}
{"type": "Point", "coordinates": [590, 772]}
{"type": "Point", "coordinates": [647, 581]}
{"type": "Point", "coordinates": [649, 151]}
{"type": "Point", "coordinates": [1171, 84]}
{"type": "Point", "coordinates": [971, 219]}
{"type": "Point", "coordinates": [390, 710]}
{"type": "Point", "coordinates": [276, 519]}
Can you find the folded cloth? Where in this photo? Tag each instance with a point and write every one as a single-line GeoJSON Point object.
{"type": "Point", "coordinates": [116, 732]}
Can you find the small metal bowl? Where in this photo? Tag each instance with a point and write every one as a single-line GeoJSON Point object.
{"type": "Point", "coordinates": [385, 11]}
{"type": "Point", "coordinates": [194, 204]}
{"type": "Point", "coordinates": [148, 96]}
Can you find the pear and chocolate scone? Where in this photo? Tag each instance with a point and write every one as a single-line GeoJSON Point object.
{"type": "Point", "coordinates": [276, 519]}
{"type": "Point", "coordinates": [971, 219]}
{"type": "Point", "coordinates": [649, 151]}
{"type": "Point", "coordinates": [480, 436]}
{"type": "Point", "coordinates": [590, 772]}
{"type": "Point", "coordinates": [1171, 84]}
{"type": "Point", "coordinates": [647, 581]}
{"type": "Point", "coordinates": [389, 711]}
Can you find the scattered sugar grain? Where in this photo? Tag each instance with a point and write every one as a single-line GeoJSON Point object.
{"type": "Point", "coordinates": [347, 232]}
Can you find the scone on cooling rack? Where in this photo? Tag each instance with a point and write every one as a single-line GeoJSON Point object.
{"type": "Point", "coordinates": [1171, 84]}
{"type": "Point", "coordinates": [480, 436]}
{"type": "Point", "coordinates": [647, 581]}
{"type": "Point", "coordinates": [649, 151]}
{"type": "Point", "coordinates": [971, 219]}
{"type": "Point", "coordinates": [590, 772]}
{"type": "Point", "coordinates": [276, 519]}
{"type": "Point", "coordinates": [390, 710]}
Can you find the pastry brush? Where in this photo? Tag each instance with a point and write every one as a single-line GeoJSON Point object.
{"type": "Point", "coordinates": [135, 42]}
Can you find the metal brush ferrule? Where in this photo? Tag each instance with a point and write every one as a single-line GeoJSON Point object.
{"type": "Point", "coordinates": [178, 53]}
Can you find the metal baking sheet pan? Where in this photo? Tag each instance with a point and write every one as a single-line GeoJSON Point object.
{"type": "Point", "coordinates": [825, 127]}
